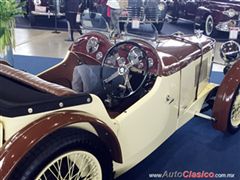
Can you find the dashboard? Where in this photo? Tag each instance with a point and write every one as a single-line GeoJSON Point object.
{"type": "Point", "coordinates": [93, 47]}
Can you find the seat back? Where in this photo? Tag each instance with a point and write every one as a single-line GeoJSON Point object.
{"type": "Point", "coordinates": [62, 73]}
{"type": "Point", "coordinates": [34, 81]}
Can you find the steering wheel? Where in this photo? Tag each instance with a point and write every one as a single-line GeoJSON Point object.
{"type": "Point", "coordinates": [124, 70]}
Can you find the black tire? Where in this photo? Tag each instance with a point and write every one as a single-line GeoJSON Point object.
{"type": "Point", "coordinates": [208, 26]}
{"type": "Point", "coordinates": [232, 128]}
{"type": "Point", "coordinates": [59, 143]}
{"type": "Point", "coordinates": [159, 27]}
{"type": "Point", "coordinates": [226, 69]}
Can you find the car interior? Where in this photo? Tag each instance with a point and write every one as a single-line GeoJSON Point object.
{"type": "Point", "coordinates": [118, 74]}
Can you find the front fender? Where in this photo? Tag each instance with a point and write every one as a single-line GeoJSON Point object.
{"type": "Point", "coordinates": [225, 97]}
{"type": "Point", "coordinates": [24, 140]}
{"type": "Point", "coordinates": [201, 15]}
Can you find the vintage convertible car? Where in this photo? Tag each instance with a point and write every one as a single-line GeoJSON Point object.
{"type": "Point", "coordinates": [210, 16]}
{"type": "Point", "coordinates": [107, 106]}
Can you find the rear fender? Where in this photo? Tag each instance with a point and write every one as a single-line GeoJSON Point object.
{"type": "Point", "coordinates": [225, 97]}
{"type": "Point", "coordinates": [24, 140]}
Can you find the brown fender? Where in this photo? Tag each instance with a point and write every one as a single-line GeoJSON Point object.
{"type": "Point", "coordinates": [224, 98]}
{"type": "Point", "coordinates": [4, 62]}
{"type": "Point", "coordinates": [24, 140]}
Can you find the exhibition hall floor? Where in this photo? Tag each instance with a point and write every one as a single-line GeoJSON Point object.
{"type": "Point", "coordinates": [32, 42]}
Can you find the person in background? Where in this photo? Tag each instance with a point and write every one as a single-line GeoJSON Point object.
{"type": "Point", "coordinates": [92, 5]}
{"type": "Point", "coordinates": [115, 14]}
{"type": "Point", "coordinates": [71, 9]}
{"type": "Point", "coordinates": [102, 8]}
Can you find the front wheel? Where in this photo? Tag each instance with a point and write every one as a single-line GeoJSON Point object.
{"type": "Point", "coordinates": [208, 26]}
{"type": "Point", "coordinates": [67, 154]}
{"type": "Point", "coordinates": [234, 117]}
{"type": "Point", "coordinates": [159, 27]}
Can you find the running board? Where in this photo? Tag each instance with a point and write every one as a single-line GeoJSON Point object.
{"type": "Point", "coordinates": [204, 116]}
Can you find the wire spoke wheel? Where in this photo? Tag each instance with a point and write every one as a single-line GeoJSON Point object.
{"type": "Point", "coordinates": [235, 113]}
{"type": "Point", "coordinates": [79, 165]}
{"type": "Point", "coordinates": [209, 25]}
{"type": "Point", "coordinates": [67, 154]}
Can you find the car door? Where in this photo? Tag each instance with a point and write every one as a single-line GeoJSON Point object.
{"type": "Point", "coordinates": [194, 78]}
{"type": "Point", "coordinates": [190, 9]}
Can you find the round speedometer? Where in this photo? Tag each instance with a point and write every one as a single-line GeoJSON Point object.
{"type": "Point", "coordinates": [135, 55]}
{"type": "Point", "coordinates": [92, 45]}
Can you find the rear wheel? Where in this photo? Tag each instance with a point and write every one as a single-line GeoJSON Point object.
{"type": "Point", "coordinates": [66, 154]}
{"type": "Point", "coordinates": [234, 117]}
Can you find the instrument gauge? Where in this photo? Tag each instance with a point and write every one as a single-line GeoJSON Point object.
{"type": "Point", "coordinates": [121, 61]}
{"type": "Point", "coordinates": [135, 55]}
{"type": "Point", "coordinates": [99, 56]}
{"type": "Point", "coordinates": [150, 62]}
{"type": "Point", "coordinates": [92, 45]}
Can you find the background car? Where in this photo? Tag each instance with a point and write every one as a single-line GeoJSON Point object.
{"type": "Point", "coordinates": [43, 8]}
{"type": "Point", "coordinates": [153, 11]}
{"type": "Point", "coordinates": [210, 16]}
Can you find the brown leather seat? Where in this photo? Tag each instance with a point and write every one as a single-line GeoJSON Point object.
{"type": "Point", "coordinates": [35, 82]}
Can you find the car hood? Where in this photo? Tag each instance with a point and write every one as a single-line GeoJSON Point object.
{"type": "Point", "coordinates": [181, 47]}
{"type": "Point", "coordinates": [177, 52]}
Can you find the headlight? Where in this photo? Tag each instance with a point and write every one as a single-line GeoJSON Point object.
{"type": "Point", "coordinates": [161, 6]}
{"type": "Point", "coordinates": [229, 51]}
{"type": "Point", "coordinates": [230, 13]}
{"type": "Point", "coordinates": [37, 2]}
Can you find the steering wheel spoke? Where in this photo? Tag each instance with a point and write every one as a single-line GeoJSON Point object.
{"type": "Point", "coordinates": [112, 77]}
{"type": "Point", "coordinates": [128, 83]}
{"type": "Point", "coordinates": [130, 60]}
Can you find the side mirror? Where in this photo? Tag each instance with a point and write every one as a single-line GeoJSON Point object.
{"type": "Point", "coordinates": [230, 51]}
